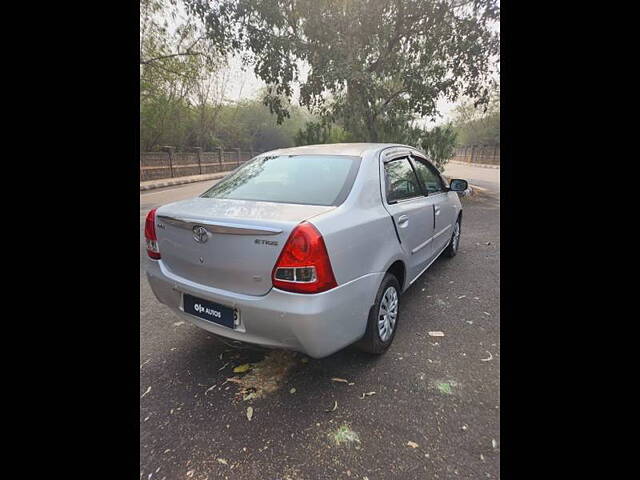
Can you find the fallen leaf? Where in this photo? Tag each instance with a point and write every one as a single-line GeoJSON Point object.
{"type": "Point", "coordinates": [305, 360]}
{"type": "Point", "coordinates": [488, 358]}
{"type": "Point", "coordinates": [250, 396]}
{"type": "Point", "coordinates": [249, 413]}
{"type": "Point", "coordinates": [335, 406]}
{"type": "Point", "coordinates": [146, 391]}
{"type": "Point", "coordinates": [190, 473]}
{"type": "Point", "coordinates": [293, 390]}
{"type": "Point", "coordinates": [367, 394]}
{"type": "Point", "coordinates": [445, 387]}
{"type": "Point", "coordinates": [222, 461]}
{"type": "Point", "coordinates": [339, 380]}
{"type": "Point", "coordinates": [242, 368]}
{"type": "Point", "coordinates": [232, 379]}
{"type": "Point", "coordinates": [494, 444]}
{"type": "Point", "coordinates": [461, 296]}
{"type": "Point", "coordinates": [209, 389]}
{"type": "Point", "coordinates": [436, 334]}
{"type": "Point", "coordinates": [177, 324]}
{"type": "Point", "coordinates": [412, 444]}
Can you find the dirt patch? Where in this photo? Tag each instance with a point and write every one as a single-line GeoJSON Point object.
{"type": "Point", "coordinates": [265, 376]}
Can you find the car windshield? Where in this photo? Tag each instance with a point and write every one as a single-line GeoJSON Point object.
{"type": "Point", "coordinates": [303, 179]}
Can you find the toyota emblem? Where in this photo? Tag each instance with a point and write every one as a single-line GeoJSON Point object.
{"type": "Point", "coordinates": [200, 234]}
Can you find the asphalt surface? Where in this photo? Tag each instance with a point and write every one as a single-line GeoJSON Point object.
{"type": "Point", "coordinates": [488, 178]}
{"type": "Point", "coordinates": [440, 393]}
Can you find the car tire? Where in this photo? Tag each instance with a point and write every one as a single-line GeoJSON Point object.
{"type": "Point", "coordinates": [454, 244]}
{"type": "Point", "coordinates": [375, 339]}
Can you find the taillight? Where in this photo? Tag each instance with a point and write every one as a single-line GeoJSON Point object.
{"type": "Point", "coordinates": [150, 235]}
{"type": "Point", "coordinates": [303, 265]}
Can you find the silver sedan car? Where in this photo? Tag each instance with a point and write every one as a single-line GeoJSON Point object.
{"type": "Point", "coordinates": [305, 248]}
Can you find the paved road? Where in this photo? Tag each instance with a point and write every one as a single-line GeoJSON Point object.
{"type": "Point", "coordinates": [441, 393]}
{"type": "Point", "coordinates": [482, 177]}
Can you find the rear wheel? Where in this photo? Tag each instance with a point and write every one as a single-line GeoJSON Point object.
{"type": "Point", "coordinates": [383, 317]}
{"type": "Point", "coordinates": [452, 249]}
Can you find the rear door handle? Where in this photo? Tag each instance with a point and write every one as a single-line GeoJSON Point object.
{"type": "Point", "coordinates": [436, 209]}
{"type": "Point", "coordinates": [403, 221]}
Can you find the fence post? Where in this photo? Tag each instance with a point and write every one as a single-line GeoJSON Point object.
{"type": "Point", "coordinates": [220, 154]}
{"type": "Point", "coordinates": [198, 150]}
{"type": "Point", "coordinates": [238, 152]}
{"type": "Point", "coordinates": [170, 151]}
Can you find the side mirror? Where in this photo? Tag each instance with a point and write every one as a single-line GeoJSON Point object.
{"type": "Point", "coordinates": [458, 185]}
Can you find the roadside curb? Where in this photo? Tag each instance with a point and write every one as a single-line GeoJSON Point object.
{"type": "Point", "coordinates": [481, 165]}
{"type": "Point", "coordinates": [151, 184]}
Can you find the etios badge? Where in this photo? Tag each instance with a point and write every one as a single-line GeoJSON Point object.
{"type": "Point", "coordinates": [200, 234]}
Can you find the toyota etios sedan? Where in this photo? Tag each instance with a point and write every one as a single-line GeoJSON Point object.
{"type": "Point", "coordinates": [305, 248]}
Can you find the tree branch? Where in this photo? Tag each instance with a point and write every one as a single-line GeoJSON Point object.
{"type": "Point", "coordinates": [187, 52]}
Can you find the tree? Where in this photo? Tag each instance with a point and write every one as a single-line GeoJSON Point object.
{"type": "Point", "coordinates": [177, 68]}
{"type": "Point", "coordinates": [162, 40]}
{"type": "Point", "coordinates": [439, 144]}
{"type": "Point", "coordinates": [478, 125]}
{"type": "Point", "coordinates": [371, 65]}
{"type": "Point", "coordinates": [316, 132]}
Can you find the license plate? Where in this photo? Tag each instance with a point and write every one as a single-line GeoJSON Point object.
{"type": "Point", "coordinates": [210, 311]}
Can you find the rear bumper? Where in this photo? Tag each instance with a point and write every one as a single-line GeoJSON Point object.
{"type": "Point", "coordinates": [317, 325]}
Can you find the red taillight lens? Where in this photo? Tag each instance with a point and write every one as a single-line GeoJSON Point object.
{"type": "Point", "coordinates": [303, 265]}
{"type": "Point", "coordinates": [150, 235]}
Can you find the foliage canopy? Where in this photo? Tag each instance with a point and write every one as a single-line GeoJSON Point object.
{"type": "Point", "coordinates": [372, 65]}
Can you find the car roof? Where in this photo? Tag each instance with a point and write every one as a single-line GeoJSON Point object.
{"type": "Point", "coordinates": [355, 149]}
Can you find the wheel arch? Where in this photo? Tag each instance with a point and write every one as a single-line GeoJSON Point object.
{"type": "Point", "coordinates": [399, 270]}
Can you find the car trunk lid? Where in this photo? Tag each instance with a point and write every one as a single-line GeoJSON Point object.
{"type": "Point", "coordinates": [228, 244]}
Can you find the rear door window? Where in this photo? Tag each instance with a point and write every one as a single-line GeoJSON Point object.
{"type": "Point", "coordinates": [401, 181]}
{"type": "Point", "coordinates": [302, 179]}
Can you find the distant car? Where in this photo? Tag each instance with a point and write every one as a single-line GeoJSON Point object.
{"type": "Point", "coordinates": [305, 248]}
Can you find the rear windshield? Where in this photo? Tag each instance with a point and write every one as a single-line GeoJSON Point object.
{"type": "Point", "coordinates": [304, 179]}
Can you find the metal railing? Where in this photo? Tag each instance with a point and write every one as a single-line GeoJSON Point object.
{"type": "Point", "coordinates": [486, 154]}
{"type": "Point", "coordinates": [171, 164]}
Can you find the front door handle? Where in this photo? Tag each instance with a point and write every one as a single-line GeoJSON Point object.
{"type": "Point", "coordinates": [403, 221]}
